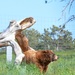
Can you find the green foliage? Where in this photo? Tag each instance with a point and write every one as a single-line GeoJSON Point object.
{"type": "Point", "coordinates": [33, 37]}
{"type": "Point", "coordinates": [9, 68]}
{"type": "Point", "coordinates": [65, 65]}
{"type": "Point", "coordinates": [55, 38]}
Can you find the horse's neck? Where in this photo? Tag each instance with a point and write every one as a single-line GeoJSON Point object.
{"type": "Point", "coordinates": [8, 38]}
{"type": "Point", "coordinates": [22, 41]}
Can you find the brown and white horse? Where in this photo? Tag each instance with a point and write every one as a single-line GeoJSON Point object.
{"type": "Point", "coordinates": [41, 58]}
{"type": "Point", "coordinates": [9, 36]}
{"type": "Point", "coordinates": [22, 41]}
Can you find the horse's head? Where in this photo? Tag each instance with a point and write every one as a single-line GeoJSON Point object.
{"type": "Point", "coordinates": [13, 26]}
{"type": "Point", "coordinates": [20, 25]}
{"type": "Point", "coordinates": [26, 23]}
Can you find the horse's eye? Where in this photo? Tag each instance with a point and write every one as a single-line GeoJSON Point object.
{"type": "Point", "coordinates": [30, 21]}
{"type": "Point", "coordinates": [17, 26]}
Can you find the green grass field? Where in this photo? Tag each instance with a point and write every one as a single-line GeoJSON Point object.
{"type": "Point", "coordinates": [65, 65]}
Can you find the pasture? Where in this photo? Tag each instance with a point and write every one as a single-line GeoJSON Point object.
{"type": "Point", "coordinates": [65, 65]}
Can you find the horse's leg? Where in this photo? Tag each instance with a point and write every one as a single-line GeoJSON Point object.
{"type": "Point", "coordinates": [4, 44]}
{"type": "Point", "coordinates": [18, 52]}
{"type": "Point", "coordinates": [17, 49]}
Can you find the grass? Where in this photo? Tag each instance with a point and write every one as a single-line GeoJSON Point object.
{"type": "Point", "coordinates": [11, 69]}
{"type": "Point", "coordinates": [65, 65]}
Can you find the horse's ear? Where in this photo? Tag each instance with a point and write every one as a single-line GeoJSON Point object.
{"type": "Point", "coordinates": [27, 22]}
{"type": "Point", "coordinates": [12, 21]}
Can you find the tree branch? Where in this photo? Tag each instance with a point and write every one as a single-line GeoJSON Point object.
{"type": "Point", "coordinates": [66, 6]}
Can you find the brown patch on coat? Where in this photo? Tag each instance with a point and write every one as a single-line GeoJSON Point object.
{"type": "Point", "coordinates": [22, 41]}
{"type": "Point", "coordinates": [30, 19]}
{"type": "Point", "coordinates": [40, 58]}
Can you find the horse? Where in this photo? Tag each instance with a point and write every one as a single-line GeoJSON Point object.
{"type": "Point", "coordinates": [41, 58]}
{"type": "Point", "coordinates": [8, 36]}
{"type": "Point", "coordinates": [22, 40]}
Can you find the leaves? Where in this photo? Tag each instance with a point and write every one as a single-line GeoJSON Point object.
{"type": "Point", "coordinates": [54, 38]}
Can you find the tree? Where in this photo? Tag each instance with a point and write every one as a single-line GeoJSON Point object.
{"type": "Point", "coordinates": [69, 4]}
{"type": "Point", "coordinates": [62, 38]}
{"type": "Point", "coordinates": [33, 37]}
{"type": "Point", "coordinates": [55, 38]}
{"type": "Point", "coordinates": [74, 43]}
{"type": "Point", "coordinates": [46, 39]}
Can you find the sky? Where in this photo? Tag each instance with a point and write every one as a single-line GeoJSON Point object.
{"type": "Point", "coordinates": [45, 14]}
